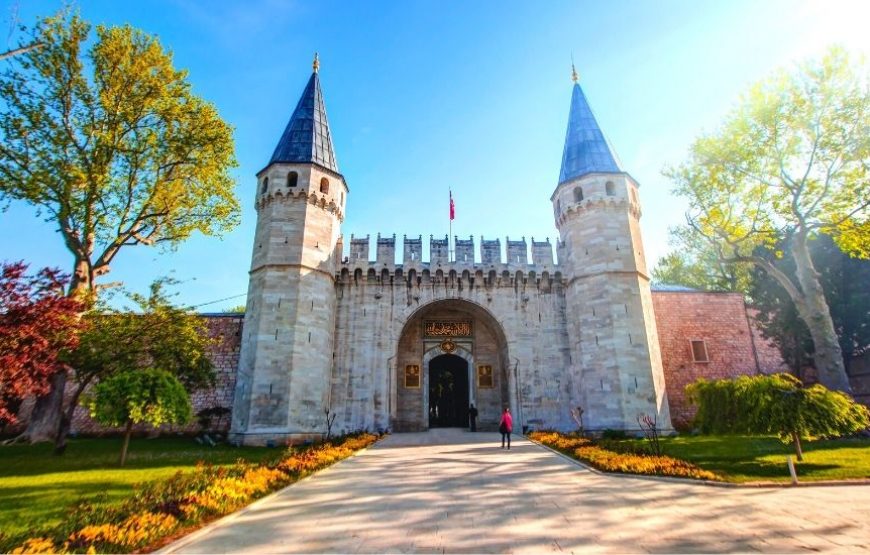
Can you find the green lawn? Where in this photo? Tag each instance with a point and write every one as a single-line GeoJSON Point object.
{"type": "Point", "coordinates": [36, 487]}
{"type": "Point", "coordinates": [748, 459]}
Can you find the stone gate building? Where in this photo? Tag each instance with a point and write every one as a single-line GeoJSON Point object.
{"type": "Point", "coordinates": [409, 346]}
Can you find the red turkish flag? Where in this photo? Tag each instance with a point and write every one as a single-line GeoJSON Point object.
{"type": "Point", "coordinates": [452, 208]}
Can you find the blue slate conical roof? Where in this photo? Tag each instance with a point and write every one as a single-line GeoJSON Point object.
{"type": "Point", "coordinates": [586, 149]}
{"type": "Point", "coordinates": [306, 138]}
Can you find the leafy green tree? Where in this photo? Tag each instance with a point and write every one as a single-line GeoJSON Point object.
{"type": "Point", "coordinates": [104, 137]}
{"type": "Point", "coordinates": [844, 280]}
{"type": "Point", "coordinates": [775, 404]}
{"type": "Point", "coordinates": [152, 332]}
{"type": "Point", "coordinates": [694, 264]}
{"type": "Point", "coordinates": [788, 163]}
{"type": "Point", "coordinates": [149, 396]}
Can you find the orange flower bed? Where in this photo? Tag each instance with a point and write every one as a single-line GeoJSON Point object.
{"type": "Point", "coordinates": [136, 530]}
{"type": "Point", "coordinates": [159, 509]}
{"type": "Point", "coordinates": [585, 450]}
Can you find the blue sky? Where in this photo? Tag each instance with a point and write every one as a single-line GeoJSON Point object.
{"type": "Point", "coordinates": [422, 96]}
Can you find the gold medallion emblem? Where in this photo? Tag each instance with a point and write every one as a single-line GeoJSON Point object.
{"type": "Point", "coordinates": [448, 346]}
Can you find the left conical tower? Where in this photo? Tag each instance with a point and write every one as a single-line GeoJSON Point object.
{"type": "Point", "coordinates": [286, 355]}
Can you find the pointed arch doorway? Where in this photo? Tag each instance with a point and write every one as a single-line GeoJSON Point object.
{"type": "Point", "coordinates": [451, 353]}
{"type": "Point", "coordinates": [448, 392]}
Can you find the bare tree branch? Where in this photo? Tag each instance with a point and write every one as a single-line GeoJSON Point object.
{"type": "Point", "coordinates": [21, 50]}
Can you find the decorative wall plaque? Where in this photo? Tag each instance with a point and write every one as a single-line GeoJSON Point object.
{"type": "Point", "coordinates": [484, 376]}
{"type": "Point", "coordinates": [412, 376]}
{"type": "Point", "coordinates": [447, 329]}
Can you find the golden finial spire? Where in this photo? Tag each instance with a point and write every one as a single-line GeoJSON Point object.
{"type": "Point", "coordinates": [574, 76]}
{"type": "Point", "coordinates": [316, 63]}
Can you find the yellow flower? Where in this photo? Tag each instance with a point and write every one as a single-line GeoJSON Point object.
{"type": "Point", "coordinates": [36, 545]}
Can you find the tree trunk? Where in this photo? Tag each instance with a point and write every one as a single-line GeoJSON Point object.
{"type": "Point", "coordinates": [66, 419]}
{"type": "Point", "coordinates": [127, 434]}
{"type": "Point", "coordinates": [796, 439]}
{"type": "Point", "coordinates": [817, 315]}
{"type": "Point", "coordinates": [45, 418]}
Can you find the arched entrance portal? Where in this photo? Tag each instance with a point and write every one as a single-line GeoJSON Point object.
{"type": "Point", "coordinates": [448, 392]}
{"type": "Point", "coordinates": [451, 353]}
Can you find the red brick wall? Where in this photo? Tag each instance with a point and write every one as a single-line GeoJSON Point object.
{"type": "Point", "coordinates": [720, 320]}
{"type": "Point", "coordinates": [227, 329]}
{"type": "Point", "coordinates": [769, 358]}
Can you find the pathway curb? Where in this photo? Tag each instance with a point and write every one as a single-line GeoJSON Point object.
{"type": "Point", "coordinates": [711, 483]}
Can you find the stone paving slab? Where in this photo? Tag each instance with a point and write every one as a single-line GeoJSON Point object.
{"type": "Point", "coordinates": [450, 491]}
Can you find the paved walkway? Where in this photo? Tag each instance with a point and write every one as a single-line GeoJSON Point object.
{"type": "Point", "coordinates": [449, 491]}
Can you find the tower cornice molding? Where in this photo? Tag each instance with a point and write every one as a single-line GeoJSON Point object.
{"type": "Point", "coordinates": [577, 209]}
{"type": "Point", "coordinates": [569, 281]}
{"type": "Point", "coordinates": [272, 266]}
{"type": "Point", "coordinates": [315, 199]}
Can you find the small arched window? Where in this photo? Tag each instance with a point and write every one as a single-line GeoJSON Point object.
{"type": "Point", "coordinates": [292, 179]}
{"type": "Point", "coordinates": [578, 194]}
{"type": "Point", "coordinates": [324, 186]}
{"type": "Point", "coordinates": [265, 185]}
{"type": "Point", "coordinates": [558, 206]}
{"type": "Point", "coordinates": [610, 188]}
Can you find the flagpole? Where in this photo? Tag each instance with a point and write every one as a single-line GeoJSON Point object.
{"type": "Point", "coordinates": [450, 228]}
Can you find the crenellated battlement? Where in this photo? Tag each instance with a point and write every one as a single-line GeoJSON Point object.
{"type": "Point", "coordinates": [465, 257]}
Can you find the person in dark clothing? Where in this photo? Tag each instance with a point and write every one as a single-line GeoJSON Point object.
{"type": "Point", "coordinates": [472, 417]}
{"type": "Point", "coordinates": [506, 426]}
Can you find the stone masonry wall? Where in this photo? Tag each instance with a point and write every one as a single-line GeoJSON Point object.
{"type": "Point", "coordinates": [377, 299]}
{"type": "Point", "coordinates": [611, 328]}
{"type": "Point", "coordinates": [718, 318]}
{"type": "Point", "coordinates": [226, 330]}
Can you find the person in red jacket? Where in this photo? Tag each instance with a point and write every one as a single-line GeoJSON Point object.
{"type": "Point", "coordinates": [506, 426]}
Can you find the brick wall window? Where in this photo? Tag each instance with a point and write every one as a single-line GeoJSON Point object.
{"type": "Point", "coordinates": [484, 376]}
{"type": "Point", "coordinates": [699, 351]}
{"type": "Point", "coordinates": [292, 179]}
{"type": "Point", "coordinates": [324, 186]}
{"type": "Point", "coordinates": [412, 376]}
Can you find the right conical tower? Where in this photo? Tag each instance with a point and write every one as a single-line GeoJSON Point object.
{"type": "Point", "coordinates": [615, 356]}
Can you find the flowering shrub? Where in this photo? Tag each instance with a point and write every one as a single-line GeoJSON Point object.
{"type": "Point", "coordinates": [598, 456]}
{"type": "Point", "coordinates": [135, 531]}
{"type": "Point", "coordinates": [36, 545]}
{"type": "Point", "coordinates": [229, 493]}
{"type": "Point", "coordinates": [157, 510]}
